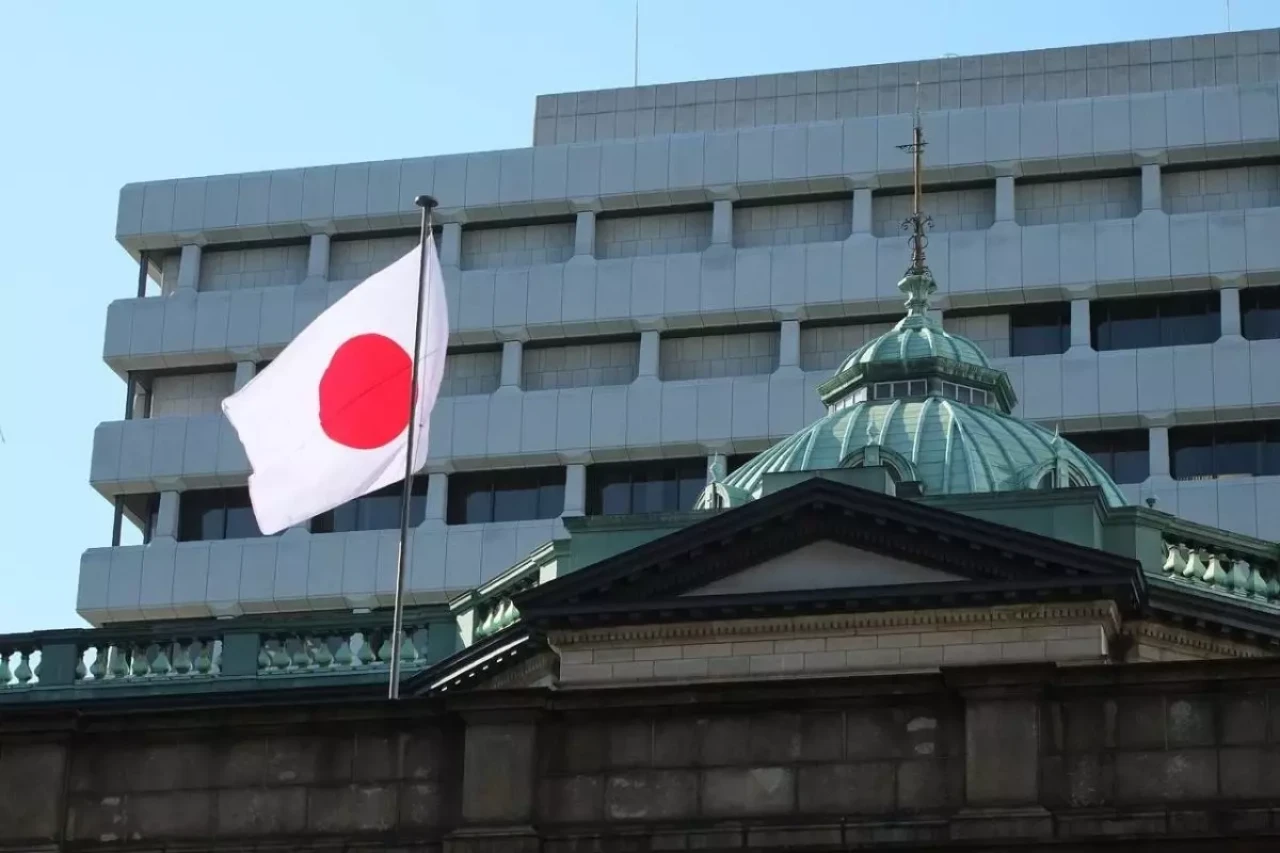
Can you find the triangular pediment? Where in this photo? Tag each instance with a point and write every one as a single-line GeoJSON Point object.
{"type": "Point", "coordinates": [823, 546]}
{"type": "Point", "coordinates": [823, 565]}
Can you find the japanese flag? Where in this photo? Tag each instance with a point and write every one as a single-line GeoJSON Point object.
{"type": "Point", "coordinates": [327, 421]}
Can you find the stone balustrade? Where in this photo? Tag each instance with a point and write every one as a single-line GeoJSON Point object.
{"type": "Point", "coordinates": [182, 655]}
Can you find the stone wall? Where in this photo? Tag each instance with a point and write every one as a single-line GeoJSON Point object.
{"type": "Point", "coordinates": [1031, 755]}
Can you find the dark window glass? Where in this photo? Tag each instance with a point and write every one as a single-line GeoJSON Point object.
{"type": "Point", "coordinates": [628, 488]}
{"type": "Point", "coordinates": [378, 510]}
{"type": "Point", "coordinates": [1123, 454]}
{"type": "Point", "coordinates": [1040, 329]}
{"type": "Point", "coordinates": [1221, 450]}
{"type": "Point", "coordinates": [210, 514]}
{"type": "Point", "coordinates": [1260, 313]}
{"type": "Point", "coordinates": [1164, 321]}
{"type": "Point", "coordinates": [737, 460]}
{"type": "Point", "coordinates": [518, 494]}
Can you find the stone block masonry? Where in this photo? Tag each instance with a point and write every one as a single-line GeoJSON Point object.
{"type": "Point", "coordinates": [1030, 754]}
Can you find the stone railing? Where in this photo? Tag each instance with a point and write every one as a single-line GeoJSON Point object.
{"type": "Point", "coordinates": [1219, 567]}
{"type": "Point", "coordinates": [178, 653]}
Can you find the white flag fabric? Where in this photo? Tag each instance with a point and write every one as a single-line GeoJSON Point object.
{"type": "Point", "coordinates": [327, 421]}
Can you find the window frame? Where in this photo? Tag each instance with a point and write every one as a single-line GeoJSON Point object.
{"type": "Point", "coordinates": [1163, 314]}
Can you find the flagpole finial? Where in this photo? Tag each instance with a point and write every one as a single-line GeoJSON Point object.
{"type": "Point", "coordinates": [426, 201]}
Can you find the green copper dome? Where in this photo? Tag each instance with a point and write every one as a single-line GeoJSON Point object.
{"type": "Point", "coordinates": [917, 336]}
{"type": "Point", "coordinates": [947, 446]}
{"type": "Point", "coordinates": [928, 405]}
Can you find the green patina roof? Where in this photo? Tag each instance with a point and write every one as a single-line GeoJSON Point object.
{"type": "Point", "coordinates": [948, 446]}
{"type": "Point", "coordinates": [916, 336]}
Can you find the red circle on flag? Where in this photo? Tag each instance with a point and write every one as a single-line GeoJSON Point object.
{"type": "Point", "coordinates": [364, 392]}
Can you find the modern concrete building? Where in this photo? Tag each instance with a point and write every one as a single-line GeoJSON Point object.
{"type": "Point", "coordinates": [669, 273]}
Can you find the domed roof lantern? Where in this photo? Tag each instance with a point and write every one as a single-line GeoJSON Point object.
{"type": "Point", "coordinates": [926, 404]}
{"type": "Point", "coordinates": [918, 356]}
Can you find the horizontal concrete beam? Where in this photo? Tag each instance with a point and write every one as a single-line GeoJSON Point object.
{"type": "Point", "coordinates": [1006, 264]}
{"type": "Point", "coordinates": [1031, 138]}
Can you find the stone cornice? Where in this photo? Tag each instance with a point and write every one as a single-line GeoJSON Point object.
{"type": "Point", "coordinates": [1180, 639]}
{"type": "Point", "coordinates": [953, 619]}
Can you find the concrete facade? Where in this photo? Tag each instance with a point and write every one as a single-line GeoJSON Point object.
{"type": "Point", "coordinates": [644, 294]}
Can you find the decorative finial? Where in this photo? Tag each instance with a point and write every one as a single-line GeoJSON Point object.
{"type": "Point", "coordinates": [918, 283]}
{"type": "Point", "coordinates": [917, 223]}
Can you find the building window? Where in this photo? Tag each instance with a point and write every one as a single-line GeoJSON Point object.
{"type": "Point", "coordinates": [1123, 454]}
{"type": "Point", "coordinates": [378, 510]}
{"type": "Point", "coordinates": [736, 461]}
{"type": "Point", "coordinates": [210, 514]}
{"type": "Point", "coordinates": [1225, 450]}
{"type": "Point", "coordinates": [628, 488]}
{"type": "Point", "coordinates": [923, 387]}
{"type": "Point", "coordinates": [519, 494]}
{"type": "Point", "coordinates": [1040, 329]}
{"type": "Point", "coordinates": [897, 390]}
{"type": "Point", "coordinates": [1260, 313]}
{"type": "Point", "coordinates": [1166, 321]}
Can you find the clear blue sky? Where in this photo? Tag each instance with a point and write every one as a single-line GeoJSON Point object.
{"type": "Point", "coordinates": [94, 95]}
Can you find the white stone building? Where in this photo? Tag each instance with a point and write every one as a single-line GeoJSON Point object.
{"type": "Point", "coordinates": [668, 274]}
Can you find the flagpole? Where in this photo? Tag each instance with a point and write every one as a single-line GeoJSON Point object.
{"type": "Point", "coordinates": [426, 203]}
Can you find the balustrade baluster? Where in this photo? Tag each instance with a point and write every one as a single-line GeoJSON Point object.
{"type": "Point", "coordinates": [6, 674]}
{"type": "Point", "coordinates": [160, 665]}
{"type": "Point", "coordinates": [203, 657]}
{"type": "Point", "coordinates": [279, 654]}
{"type": "Point", "coordinates": [321, 654]}
{"type": "Point", "coordinates": [303, 658]}
{"type": "Point", "coordinates": [23, 673]}
{"type": "Point", "coordinates": [98, 669]}
{"type": "Point", "coordinates": [141, 663]}
{"type": "Point", "coordinates": [365, 654]}
{"type": "Point", "coordinates": [343, 657]}
{"type": "Point", "coordinates": [181, 657]}
{"type": "Point", "coordinates": [118, 661]}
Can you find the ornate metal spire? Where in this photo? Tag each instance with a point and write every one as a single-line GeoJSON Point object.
{"type": "Point", "coordinates": [918, 283]}
{"type": "Point", "coordinates": [918, 222]}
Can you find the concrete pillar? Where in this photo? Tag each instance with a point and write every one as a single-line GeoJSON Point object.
{"type": "Point", "coordinates": [1151, 187]}
{"type": "Point", "coordinates": [140, 400]}
{"type": "Point", "coordinates": [862, 210]}
{"type": "Point", "coordinates": [1229, 312]}
{"type": "Point", "coordinates": [436, 510]}
{"type": "Point", "coordinates": [245, 370]}
{"type": "Point", "coordinates": [650, 341]}
{"type": "Point", "coordinates": [722, 222]}
{"type": "Point", "coordinates": [1005, 204]}
{"type": "Point", "coordinates": [789, 345]}
{"type": "Point", "coordinates": [318, 257]}
{"type": "Point", "coordinates": [584, 234]}
{"type": "Point", "coordinates": [189, 269]}
{"type": "Point", "coordinates": [451, 244]}
{"type": "Point", "coordinates": [1158, 452]}
{"type": "Point", "coordinates": [512, 364]}
{"type": "Point", "coordinates": [166, 528]}
{"type": "Point", "coordinates": [575, 490]}
{"type": "Point", "coordinates": [1081, 331]}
